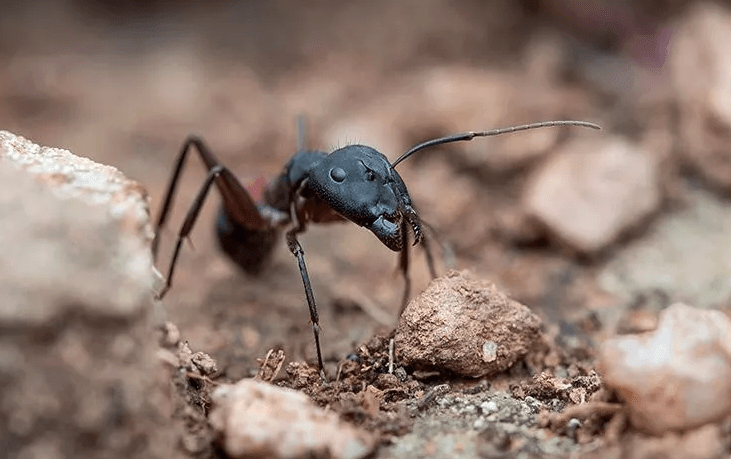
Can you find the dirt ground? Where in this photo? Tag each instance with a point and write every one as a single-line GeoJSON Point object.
{"type": "Point", "coordinates": [125, 82]}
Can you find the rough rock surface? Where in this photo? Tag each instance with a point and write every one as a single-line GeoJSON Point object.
{"type": "Point", "coordinates": [257, 419]}
{"type": "Point", "coordinates": [592, 191]}
{"type": "Point", "coordinates": [677, 377]}
{"type": "Point", "coordinates": [465, 326]}
{"type": "Point", "coordinates": [700, 63]}
{"type": "Point", "coordinates": [78, 373]}
{"type": "Point", "coordinates": [86, 233]}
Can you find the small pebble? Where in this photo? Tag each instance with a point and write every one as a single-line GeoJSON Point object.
{"type": "Point", "coordinates": [489, 351]}
{"type": "Point", "coordinates": [249, 418]}
{"type": "Point", "coordinates": [466, 326]}
{"type": "Point", "coordinates": [488, 407]}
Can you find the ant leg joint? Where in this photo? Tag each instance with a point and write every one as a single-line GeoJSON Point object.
{"type": "Point", "coordinates": [293, 244]}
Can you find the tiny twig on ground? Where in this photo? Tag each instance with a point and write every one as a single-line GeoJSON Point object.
{"type": "Point", "coordinates": [390, 357]}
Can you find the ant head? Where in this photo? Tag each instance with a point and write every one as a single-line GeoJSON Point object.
{"type": "Point", "coordinates": [360, 184]}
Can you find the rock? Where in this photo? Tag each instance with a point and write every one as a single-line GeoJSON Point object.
{"type": "Point", "coordinates": [707, 442]}
{"type": "Point", "coordinates": [79, 376]}
{"type": "Point", "coordinates": [684, 257]}
{"type": "Point", "coordinates": [465, 326]}
{"type": "Point", "coordinates": [700, 64]}
{"type": "Point", "coordinates": [82, 231]}
{"type": "Point", "coordinates": [257, 419]}
{"type": "Point", "coordinates": [677, 377]}
{"type": "Point", "coordinates": [592, 191]}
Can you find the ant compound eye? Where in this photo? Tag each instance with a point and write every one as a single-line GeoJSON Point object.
{"type": "Point", "coordinates": [370, 176]}
{"type": "Point", "coordinates": [338, 174]}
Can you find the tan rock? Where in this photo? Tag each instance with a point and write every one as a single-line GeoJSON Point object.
{"type": "Point", "coordinates": [706, 442]}
{"type": "Point", "coordinates": [83, 230]}
{"type": "Point", "coordinates": [257, 419]}
{"type": "Point", "coordinates": [465, 326]}
{"type": "Point", "coordinates": [592, 191]}
{"type": "Point", "coordinates": [677, 377]}
{"type": "Point", "coordinates": [700, 63]}
{"type": "Point", "coordinates": [79, 376]}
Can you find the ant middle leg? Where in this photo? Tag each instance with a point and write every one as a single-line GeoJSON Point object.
{"type": "Point", "coordinates": [296, 248]}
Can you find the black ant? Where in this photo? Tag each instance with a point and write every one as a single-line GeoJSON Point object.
{"type": "Point", "coordinates": [356, 183]}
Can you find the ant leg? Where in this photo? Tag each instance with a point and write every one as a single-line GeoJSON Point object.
{"type": "Point", "coordinates": [429, 256]}
{"type": "Point", "coordinates": [237, 201]}
{"type": "Point", "coordinates": [190, 220]}
{"type": "Point", "coordinates": [404, 267]}
{"type": "Point", "coordinates": [296, 249]}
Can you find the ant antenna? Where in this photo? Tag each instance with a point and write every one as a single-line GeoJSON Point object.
{"type": "Point", "coordinates": [472, 134]}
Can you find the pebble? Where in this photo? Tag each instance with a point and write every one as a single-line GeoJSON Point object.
{"type": "Point", "coordinates": [488, 407]}
{"type": "Point", "coordinates": [449, 326]}
{"type": "Point", "coordinates": [677, 377]}
{"type": "Point", "coordinates": [257, 419]}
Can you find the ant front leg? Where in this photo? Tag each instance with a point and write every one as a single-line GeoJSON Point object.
{"type": "Point", "coordinates": [404, 263]}
{"type": "Point", "coordinates": [296, 248]}
{"type": "Point", "coordinates": [429, 256]}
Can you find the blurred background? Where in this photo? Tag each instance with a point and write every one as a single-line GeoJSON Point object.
{"type": "Point", "coordinates": [593, 230]}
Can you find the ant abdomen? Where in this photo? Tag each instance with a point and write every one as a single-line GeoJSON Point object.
{"type": "Point", "coordinates": [251, 250]}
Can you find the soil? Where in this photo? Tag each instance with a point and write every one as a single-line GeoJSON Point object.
{"type": "Point", "coordinates": [125, 82]}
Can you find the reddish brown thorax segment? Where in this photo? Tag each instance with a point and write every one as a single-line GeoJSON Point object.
{"type": "Point", "coordinates": [256, 188]}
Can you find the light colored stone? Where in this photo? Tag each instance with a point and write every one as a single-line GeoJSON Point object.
{"type": "Point", "coordinates": [677, 377]}
{"type": "Point", "coordinates": [77, 238]}
{"type": "Point", "coordinates": [466, 326]}
{"type": "Point", "coordinates": [257, 419]}
{"type": "Point", "coordinates": [700, 63]}
{"type": "Point", "coordinates": [77, 346]}
{"type": "Point", "coordinates": [593, 190]}
{"type": "Point", "coordinates": [707, 442]}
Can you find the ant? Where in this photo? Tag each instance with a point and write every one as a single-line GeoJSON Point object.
{"type": "Point", "coordinates": [356, 183]}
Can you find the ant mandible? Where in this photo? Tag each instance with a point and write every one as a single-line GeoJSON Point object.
{"type": "Point", "coordinates": [356, 183]}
